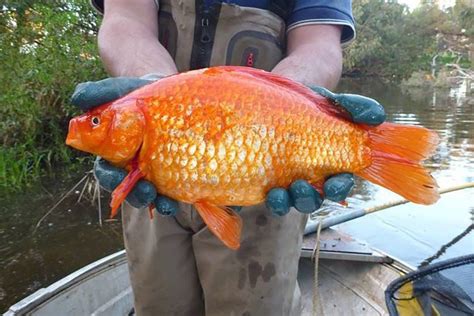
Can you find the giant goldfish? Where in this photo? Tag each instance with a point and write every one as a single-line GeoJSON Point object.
{"type": "Point", "coordinates": [227, 135]}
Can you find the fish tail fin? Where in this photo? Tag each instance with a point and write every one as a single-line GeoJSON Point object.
{"type": "Point", "coordinates": [223, 222]}
{"type": "Point", "coordinates": [397, 152]}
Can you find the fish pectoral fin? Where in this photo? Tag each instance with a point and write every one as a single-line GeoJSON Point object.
{"type": "Point", "coordinates": [222, 222]}
{"type": "Point", "coordinates": [123, 189]}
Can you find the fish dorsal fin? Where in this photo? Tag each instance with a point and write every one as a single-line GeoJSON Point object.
{"type": "Point", "coordinates": [320, 102]}
{"type": "Point", "coordinates": [123, 189]}
{"type": "Point", "coordinates": [222, 222]}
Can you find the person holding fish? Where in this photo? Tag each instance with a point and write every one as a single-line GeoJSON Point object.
{"type": "Point", "coordinates": [177, 265]}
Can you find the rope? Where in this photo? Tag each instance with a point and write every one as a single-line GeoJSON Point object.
{"type": "Point", "coordinates": [445, 247]}
{"type": "Point", "coordinates": [317, 307]}
{"type": "Point", "coordinates": [404, 201]}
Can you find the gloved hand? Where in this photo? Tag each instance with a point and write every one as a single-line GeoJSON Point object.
{"type": "Point", "coordinates": [88, 95]}
{"type": "Point", "coordinates": [301, 194]}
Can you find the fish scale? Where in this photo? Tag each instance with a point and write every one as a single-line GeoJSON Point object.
{"type": "Point", "coordinates": [231, 158]}
{"type": "Point", "coordinates": [227, 135]}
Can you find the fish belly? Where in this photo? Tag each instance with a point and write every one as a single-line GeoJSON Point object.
{"type": "Point", "coordinates": [229, 140]}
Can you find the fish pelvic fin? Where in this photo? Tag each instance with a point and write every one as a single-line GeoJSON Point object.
{"type": "Point", "coordinates": [123, 189]}
{"type": "Point", "coordinates": [397, 152]}
{"type": "Point", "coordinates": [223, 222]}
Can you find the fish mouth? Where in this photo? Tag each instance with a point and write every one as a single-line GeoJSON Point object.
{"type": "Point", "coordinates": [73, 138]}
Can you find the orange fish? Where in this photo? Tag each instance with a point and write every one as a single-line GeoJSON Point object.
{"type": "Point", "coordinates": [227, 135]}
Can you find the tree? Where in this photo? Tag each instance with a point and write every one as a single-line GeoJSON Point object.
{"type": "Point", "coordinates": [391, 41]}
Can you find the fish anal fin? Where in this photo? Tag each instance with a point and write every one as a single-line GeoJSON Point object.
{"type": "Point", "coordinates": [319, 186]}
{"type": "Point", "coordinates": [343, 203]}
{"type": "Point", "coordinates": [123, 189]}
{"type": "Point", "coordinates": [151, 207]}
{"type": "Point", "coordinates": [223, 222]}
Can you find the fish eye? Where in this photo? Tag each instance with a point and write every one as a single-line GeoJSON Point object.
{"type": "Point", "coordinates": [95, 120]}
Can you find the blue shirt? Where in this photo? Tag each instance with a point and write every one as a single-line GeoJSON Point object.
{"type": "Point", "coordinates": [336, 12]}
{"type": "Point", "coordinates": [297, 12]}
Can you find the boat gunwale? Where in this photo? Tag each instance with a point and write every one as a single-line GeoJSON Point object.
{"type": "Point", "coordinates": [42, 295]}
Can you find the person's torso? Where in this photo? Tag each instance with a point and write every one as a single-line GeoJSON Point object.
{"type": "Point", "coordinates": [203, 33]}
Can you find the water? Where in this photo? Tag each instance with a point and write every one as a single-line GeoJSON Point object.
{"type": "Point", "coordinates": [415, 233]}
{"type": "Point", "coordinates": [71, 236]}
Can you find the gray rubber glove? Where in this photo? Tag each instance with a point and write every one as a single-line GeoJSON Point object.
{"type": "Point", "coordinates": [301, 194]}
{"type": "Point", "coordinates": [91, 94]}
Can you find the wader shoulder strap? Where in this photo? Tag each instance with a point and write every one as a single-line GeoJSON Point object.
{"type": "Point", "coordinates": [198, 35]}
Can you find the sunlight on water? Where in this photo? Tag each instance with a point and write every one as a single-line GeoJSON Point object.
{"type": "Point", "coordinates": [413, 232]}
{"type": "Point", "coordinates": [404, 118]}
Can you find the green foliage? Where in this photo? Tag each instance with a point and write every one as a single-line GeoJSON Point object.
{"type": "Point", "coordinates": [393, 42]}
{"type": "Point", "coordinates": [389, 43]}
{"type": "Point", "coordinates": [47, 47]}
